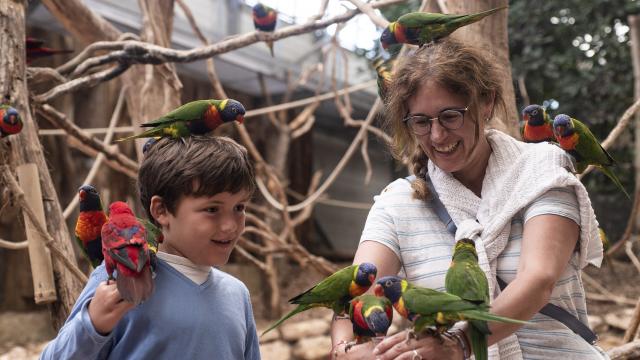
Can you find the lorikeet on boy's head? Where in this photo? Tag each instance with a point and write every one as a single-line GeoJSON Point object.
{"type": "Point", "coordinates": [576, 138]}
{"type": "Point", "coordinates": [334, 292]}
{"type": "Point", "coordinates": [195, 118]}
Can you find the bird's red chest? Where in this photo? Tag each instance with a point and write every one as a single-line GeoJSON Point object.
{"type": "Point", "coordinates": [89, 225]}
{"type": "Point", "coordinates": [212, 117]}
{"type": "Point", "coordinates": [569, 142]}
{"type": "Point", "coordinates": [357, 316]}
{"type": "Point", "coordinates": [266, 20]}
{"type": "Point", "coordinates": [538, 133]}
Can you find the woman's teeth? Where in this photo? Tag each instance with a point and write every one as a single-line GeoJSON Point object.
{"type": "Point", "coordinates": [448, 148]}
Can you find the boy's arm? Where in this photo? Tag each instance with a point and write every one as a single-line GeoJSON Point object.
{"type": "Point", "coordinates": [252, 345]}
{"type": "Point", "coordinates": [78, 339]}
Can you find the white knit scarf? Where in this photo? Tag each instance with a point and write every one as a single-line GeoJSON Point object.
{"type": "Point", "coordinates": [516, 175]}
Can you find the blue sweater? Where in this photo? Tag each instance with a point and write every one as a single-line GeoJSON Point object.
{"type": "Point", "coordinates": [181, 320]}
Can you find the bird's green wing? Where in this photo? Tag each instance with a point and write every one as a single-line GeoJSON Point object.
{"type": "Point", "coordinates": [188, 111]}
{"type": "Point", "coordinates": [589, 148]}
{"type": "Point", "coordinates": [420, 19]}
{"type": "Point", "coordinates": [429, 301]}
{"type": "Point", "coordinates": [332, 288]}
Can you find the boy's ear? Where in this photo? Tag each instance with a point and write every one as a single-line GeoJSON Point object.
{"type": "Point", "coordinates": [159, 211]}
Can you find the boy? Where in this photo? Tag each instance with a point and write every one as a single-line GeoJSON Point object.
{"type": "Point", "coordinates": [195, 189]}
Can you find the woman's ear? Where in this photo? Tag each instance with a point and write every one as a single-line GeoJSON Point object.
{"type": "Point", "coordinates": [159, 211]}
{"type": "Point", "coordinates": [489, 105]}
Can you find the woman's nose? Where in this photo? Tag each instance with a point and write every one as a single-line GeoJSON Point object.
{"type": "Point", "coordinates": [438, 132]}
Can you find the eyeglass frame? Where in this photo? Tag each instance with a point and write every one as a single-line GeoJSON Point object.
{"type": "Point", "coordinates": [462, 112]}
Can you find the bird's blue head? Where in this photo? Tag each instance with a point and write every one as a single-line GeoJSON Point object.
{"type": "Point", "coordinates": [232, 110]}
{"type": "Point", "coordinates": [89, 198]}
{"type": "Point", "coordinates": [563, 126]}
{"type": "Point", "coordinates": [366, 275]}
{"type": "Point", "coordinates": [389, 287]}
{"type": "Point", "coordinates": [378, 321]}
{"type": "Point", "coordinates": [534, 115]}
{"type": "Point", "coordinates": [11, 116]}
{"type": "Point", "coordinates": [387, 38]}
{"type": "Point", "coordinates": [259, 10]}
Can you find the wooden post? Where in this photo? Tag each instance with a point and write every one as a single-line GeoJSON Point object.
{"type": "Point", "coordinates": [44, 288]}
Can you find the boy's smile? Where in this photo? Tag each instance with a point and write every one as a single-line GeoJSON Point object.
{"type": "Point", "coordinates": [204, 229]}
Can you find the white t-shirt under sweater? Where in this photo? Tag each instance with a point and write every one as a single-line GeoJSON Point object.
{"type": "Point", "coordinates": [196, 273]}
{"type": "Point", "coordinates": [414, 232]}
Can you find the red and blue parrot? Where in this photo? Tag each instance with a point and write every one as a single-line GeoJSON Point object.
{"type": "Point", "coordinates": [125, 250]}
{"type": "Point", "coordinates": [36, 50]}
{"type": "Point", "coordinates": [10, 121]}
{"type": "Point", "coordinates": [265, 19]}
{"type": "Point", "coordinates": [89, 224]}
{"type": "Point", "coordinates": [371, 317]}
{"type": "Point", "coordinates": [538, 126]}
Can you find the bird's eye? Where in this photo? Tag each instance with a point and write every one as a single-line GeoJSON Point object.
{"type": "Point", "coordinates": [388, 283]}
{"type": "Point", "coordinates": [534, 112]}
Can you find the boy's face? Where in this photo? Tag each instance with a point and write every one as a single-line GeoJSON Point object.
{"type": "Point", "coordinates": [205, 229]}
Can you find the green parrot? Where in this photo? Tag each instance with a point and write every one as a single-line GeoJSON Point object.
{"type": "Point", "coordinates": [383, 71]}
{"type": "Point", "coordinates": [420, 28]}
{"type": "Point", "coordinates": [576, 138]}
{"type": "Point", "coordinates": [334, 292]}
{"type": "Point", "coordinates": [466, 280]}
{"type": "Point", "coordinates": [371, 317]}
{"type": "Point", "coordinates": [195, 118]}
{"type": "Point", "coordinates": [426, 307]}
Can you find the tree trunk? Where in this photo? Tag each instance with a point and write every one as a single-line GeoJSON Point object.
{"type": "Point", "coordinates": [26, 148]}
{"type": "Point", "coordinates": [634, 33]}
{"type": "Point", "coordinates": [491, 34]}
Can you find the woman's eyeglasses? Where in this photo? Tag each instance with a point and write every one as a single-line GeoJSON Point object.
{"type": "Point", "coordinates": [451, 119]}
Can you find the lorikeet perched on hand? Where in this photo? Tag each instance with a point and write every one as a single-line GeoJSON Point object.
{"type": "Point", "coordinates": [383, 70]}
{"type": "Point", "coordinates": [334, 292]}
{"type": "Point", "coordinates": [576, 138]}
{"type": "Point", "coordinates": [538, 126]}
{"type": "Point", "coordinates": [89, 224]}
{"type": "Point", "coordinates": [427, 307]}
{"type": "Point", "coordinates": [125, 249]}
{"type": "Point", "coordinates": [10, 121]}
{"type": "Point", "coordinates": [195, 118]}
{"type": "Point", "coordinates": [265, 19]}
{"type": "Point", "coordinates": [420, 28]}
{"type": "Point", "coordinates": [466, 280]}
{"type": "Point", "coordinates": [371, 317]}
{"type": "Point", "coordinates": [36, 50]}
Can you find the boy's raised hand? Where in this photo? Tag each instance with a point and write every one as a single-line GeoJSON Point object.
{"type": "Point", "coordinates": [107, 307]}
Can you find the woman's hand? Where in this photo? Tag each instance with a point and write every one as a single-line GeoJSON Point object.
{"type": "Point", "coordinates": [107, 307]}
{"type": "Point", "coordinates": [425, 348]}
{"type": "Point", "coordinates": [360, 351]}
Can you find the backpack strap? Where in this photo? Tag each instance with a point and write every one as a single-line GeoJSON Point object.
{"type": "Point", "coordinates": [550, 310]}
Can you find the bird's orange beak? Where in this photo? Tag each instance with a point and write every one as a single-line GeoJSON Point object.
{"type": "Point", "coordinates": [378, 290]}
{"type": "Point", "coordinates": [240, 119]}
{"type": "Point", "coordinates": [82, 194]}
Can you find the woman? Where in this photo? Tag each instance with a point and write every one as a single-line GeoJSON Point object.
{"type": "Point", "coordinates": [530, 217]}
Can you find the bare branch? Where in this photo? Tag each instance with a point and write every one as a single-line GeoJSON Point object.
{"type": "Point", "coordinates": [38, 75]}
{"type": "Point", "coordinates": [366, 9]}
{"type": "Point", "coordinates": [68, 67]}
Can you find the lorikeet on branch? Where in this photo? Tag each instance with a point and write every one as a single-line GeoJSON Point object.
{"type": "Point", "coordinates": [265, 19]}
{"type": "Point", "coordinates": [334, 292]}
{"type": "Point", "coordinates": [576, 138]}
{"type": "Point", "coordinates": [10, 121]}
{"type": "Point", "coordinates": [195, 118]}
{"type": "Point", "coordinates": [89, 224]}
{"type": "Point", "coordinates": [420, 28]}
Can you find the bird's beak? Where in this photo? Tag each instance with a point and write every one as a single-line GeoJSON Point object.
{"type": "Point", "coordinates": [378, 290]}
{"type": "Point", "coordinates": [372, 278]}
{"type": "Point", "coordinates": [240, 119]}
{"type": "Point", "coordinates": [526, 117]}
{"type": "Point", "coordinates": [82, 194]}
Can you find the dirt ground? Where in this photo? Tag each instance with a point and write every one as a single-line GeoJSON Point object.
{"type": "Point", "coordinates": [22, 336]}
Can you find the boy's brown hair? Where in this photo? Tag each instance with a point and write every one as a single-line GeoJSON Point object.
{"type": "Point", "coordinates": [196, 166]}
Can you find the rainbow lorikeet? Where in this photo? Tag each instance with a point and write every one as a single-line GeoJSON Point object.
{"type": "Point", "coordinates": [466, 280]}
{"type": "Point", "coordinates": [538, 126]}
{"type": "Point", "coordinates": [10, 121]}
{"type": "Point", "coordinates": [334, 292]}
{"type": "Point", "coordinates": [383, 71]}
{"type": "Point", "coordinates": [420, 28]}
{"type": "Point", "coordinates": [125, 249]}
{"type": "Point", "coordinates": [426, 307]}
{"type": "Point", "coordinates": [195, 118]}
{"type": "Point", "coordinates": [36, 50]}
{"type": "Point", "coordinates": [265, 19]}
{"type": "Point", "coordinates": [89, 224]}
{"type": "Point", "coordinates": [576, 138]}
{"type": "Point", "coordinates": [371, 317]}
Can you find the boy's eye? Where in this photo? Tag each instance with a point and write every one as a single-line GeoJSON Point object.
{"type": "Point", "coordinates": [212, 210]}
{"type": "Point", "coordinates": [240, 207]}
